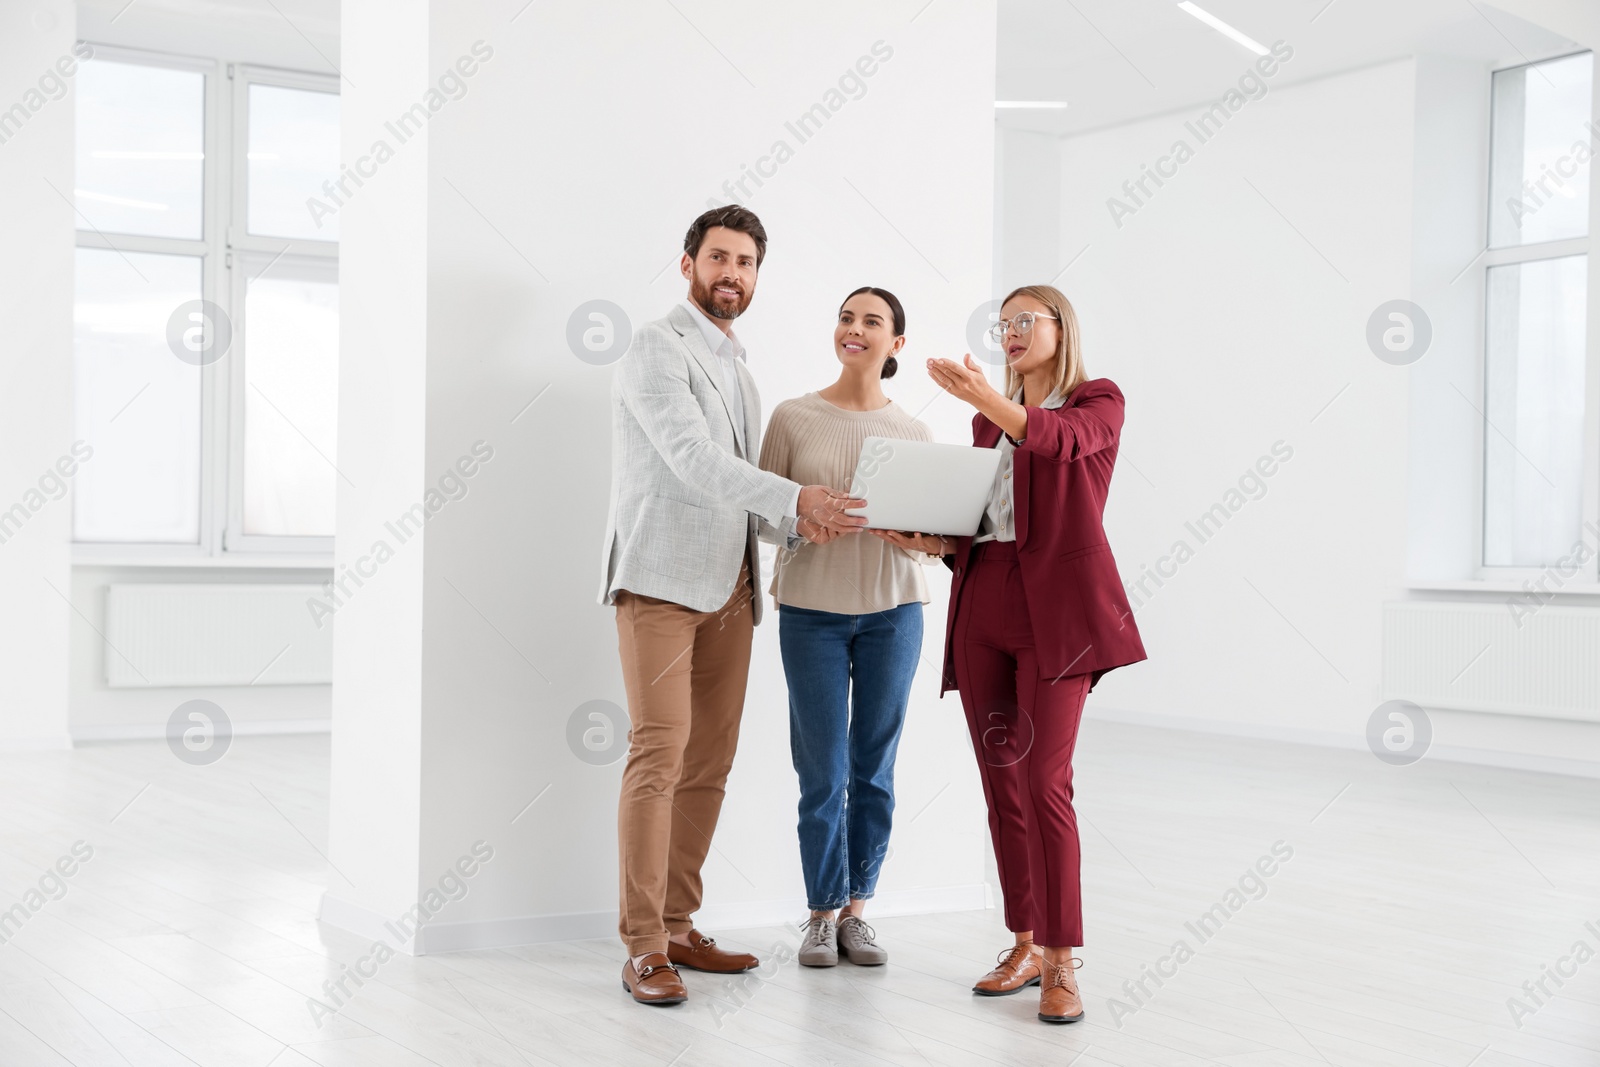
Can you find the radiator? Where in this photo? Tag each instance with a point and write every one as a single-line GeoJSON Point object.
{"type": "Point", "coordinates": [1475, 657]}
{"type": "Point", "coordinates": [206, 635]}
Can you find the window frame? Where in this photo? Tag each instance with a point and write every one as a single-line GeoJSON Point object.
{"type": "Point", "coordinates": [1511, 255]}
{"type": "Point", "coordinates": [283, 265]}
{"type": "Point", "coordinates": [224, 232]}
{"type": "Point", "coordinates": [311, 256]}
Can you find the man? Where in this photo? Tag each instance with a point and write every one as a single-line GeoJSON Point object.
{"type": "Point", "coordinates": [688, 504]}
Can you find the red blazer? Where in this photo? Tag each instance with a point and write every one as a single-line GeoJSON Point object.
{"type": "Point", "coordinates": [1082, 623]}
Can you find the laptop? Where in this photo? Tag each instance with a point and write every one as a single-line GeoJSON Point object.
{"type": "Point", "coordinates": [924, 486]}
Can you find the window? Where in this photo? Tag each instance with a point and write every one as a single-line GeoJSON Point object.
{"type": "Point", "coordinates": [207, 308]}
{"type": "Point", "coordinates": [291, 318]}
{"type": "Point", "coordinates": [141, 148]}
{"type": "Point", "coordinates": [294, 148]}
{"type": "Point", "coordinates": [1536, 470]}
{"type": "Point", "coordinates": [137, 405]}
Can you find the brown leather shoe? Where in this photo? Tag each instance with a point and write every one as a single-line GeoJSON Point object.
{"type": "Point", "coordinates": [704, 955]}
{"type": "Point", "coordinates": [1020, 966]}
{"type": "Point", "coordinates": [1058, 994]}
{"type": "Point", "coordinates": [655, 982]}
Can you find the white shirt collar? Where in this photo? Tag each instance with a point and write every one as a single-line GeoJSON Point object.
{"type": "Point", "coordinates": [712, 333]}
{"type": "Point", "coordinates": [1054, 400]}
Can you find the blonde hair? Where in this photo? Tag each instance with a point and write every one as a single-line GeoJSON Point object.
{"type": "Point", "coordinates": [1070, 372]}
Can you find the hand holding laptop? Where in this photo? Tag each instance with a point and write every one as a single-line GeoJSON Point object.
{"type": "Point", "coordinates": [932, 544]}
{"type": "Point", "coordinates": [825, 510]}
{"type": "Point", "coordinates": [817, 533]}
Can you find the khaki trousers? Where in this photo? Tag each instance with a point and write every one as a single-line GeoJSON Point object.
{"type": "Point", "coordinates": [685, 673]}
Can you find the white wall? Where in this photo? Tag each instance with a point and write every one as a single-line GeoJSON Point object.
{"type": "Point", "coordinates": [568, 172]}
{"type": "Point", "coordinates": [35, 369]}
{"type": "Point", "coordinates": [1229, 331]}
{"type": "Point", "coordinates": [101, 713]}
{"type": "Point", "coordinates": [1232, 307]}
{"type": "Point", "coordinates": [1027, 208]}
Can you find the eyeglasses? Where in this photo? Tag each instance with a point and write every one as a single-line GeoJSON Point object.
{"type": "Point", "coordinates": [1023, 322]}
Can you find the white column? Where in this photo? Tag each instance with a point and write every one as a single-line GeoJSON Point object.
{"type": "Point", "coordinates": [567, 148]}
{"type": "Point", "coordinates": [36, 130]}
{"type": "Point", "coordinates": [383, 370]}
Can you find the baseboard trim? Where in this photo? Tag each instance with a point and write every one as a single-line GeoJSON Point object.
{"type": "Point", "coordinates": [585, 925]}
{"type": "Point", "coordinates": [361, 921]}
{"type": "Point", "coordinates": [90, 735]}
{"type": "Point", "coordinates": [1482, 757]}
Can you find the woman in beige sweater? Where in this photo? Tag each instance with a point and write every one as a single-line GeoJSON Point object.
{"type": "Point", "coordinates": [850, 630]}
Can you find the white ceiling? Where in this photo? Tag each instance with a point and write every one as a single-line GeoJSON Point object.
{"type": "Point", "coordinates": [1117, 60]}
{"type": "Point", "coordinates": [1112, 61]}
{"type": "Point", "coordinates": [298, 34]}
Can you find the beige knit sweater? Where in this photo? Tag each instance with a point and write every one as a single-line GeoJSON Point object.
{"type": "Point", "coordinates": [813, 442]}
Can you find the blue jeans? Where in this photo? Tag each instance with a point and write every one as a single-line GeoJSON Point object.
{"type": "Point", "coordinates": [849, 681]}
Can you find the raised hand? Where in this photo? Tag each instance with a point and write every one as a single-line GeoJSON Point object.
{"type": "Point", "coordinates": [964, 381]}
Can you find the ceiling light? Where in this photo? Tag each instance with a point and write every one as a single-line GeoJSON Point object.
{"type": "Point", "coordinates": [1043, 105]}
{"type": "Point", "coordinates": [1222, 27]}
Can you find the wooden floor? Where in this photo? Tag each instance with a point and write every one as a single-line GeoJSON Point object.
{"type": "Point", "coordinates": [1416, 903]}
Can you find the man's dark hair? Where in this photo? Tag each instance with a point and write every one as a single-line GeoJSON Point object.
{"type": "Point", "coordinates": [733, 217]}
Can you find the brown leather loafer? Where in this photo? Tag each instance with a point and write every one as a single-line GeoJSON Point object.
{"type": "Point", "coordinates": [1058, 995]}
{"type": "Point", "coordinates": [704, 955]}
{"type": "Point", "coordinates": [1020, 967]}
{"type": "Point", "coordinates": [655, 982]}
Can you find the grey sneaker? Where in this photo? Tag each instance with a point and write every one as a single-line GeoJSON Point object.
{"type": "Point", "coordinates": [857, 943]}
{"type": "Point", "coordinates": [819, 948]}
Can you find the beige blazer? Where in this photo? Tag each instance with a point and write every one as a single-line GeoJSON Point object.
{"type": "Point", "coordinates": [686, 502]}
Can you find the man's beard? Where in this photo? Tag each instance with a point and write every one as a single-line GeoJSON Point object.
{"type": "Point", "coordinates": [706, 300]}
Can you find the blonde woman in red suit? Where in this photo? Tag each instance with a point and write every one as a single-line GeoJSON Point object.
{"type": "Point", "coordinates": [1037, 616]}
